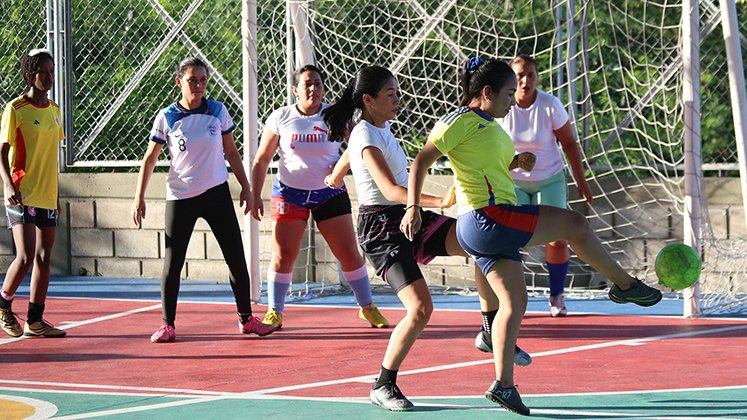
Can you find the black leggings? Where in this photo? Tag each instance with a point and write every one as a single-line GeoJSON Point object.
{"type": "Point", "coordinates": [216, 207]}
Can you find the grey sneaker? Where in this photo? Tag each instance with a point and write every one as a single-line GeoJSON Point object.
{"type": "Point", "coordinates": [9, 323]}
{"type": "Point", "coordinates": [507, 398]}
{"type": "Point", "coordinates": [640, 293]}
{"type": "Point", "coordinates": [390, 397]}
{"type": "Point", "coordinates": [483, 343]}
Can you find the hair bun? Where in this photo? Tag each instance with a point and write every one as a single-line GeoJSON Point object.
{"type": "Point", "coordinates": [474, 63]}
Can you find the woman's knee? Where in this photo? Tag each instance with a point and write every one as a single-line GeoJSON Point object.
{"type": "Point", "coordinates": [516, 308]}
{"type": "Point", "coordinates": [421, 314]}
{"type": "Point", "coordinates": [350, 256]}
{"type": "Point", "coordinates": [43, 259]}
{"type": "Point", "coordinates": [578, 226]}
{"type": "Point", "coordinates": [557, 245]}
{"type": "Point", "coordinates": [24, 261]}
{"type": "Point", "coordinates": [283, 259]}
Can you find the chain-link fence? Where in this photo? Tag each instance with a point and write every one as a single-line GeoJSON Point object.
{"type": "Point", "coordinates": [124, 53]}
{"type": "Point", "coordinates": [23, 26]}
{"type": "Point", "coordinates": [125, 58]}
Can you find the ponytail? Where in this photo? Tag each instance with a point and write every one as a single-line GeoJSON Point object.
{"type": "Point", "coordinates": [339, 115]}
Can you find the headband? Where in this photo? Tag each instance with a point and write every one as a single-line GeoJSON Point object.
{"type": "Point", "coordinates": [37, 51]}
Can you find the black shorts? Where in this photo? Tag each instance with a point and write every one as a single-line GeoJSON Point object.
{"type": "Point", "coordinates": [27, 215]}
{"type": "Point", "coordinates": [393, 256]}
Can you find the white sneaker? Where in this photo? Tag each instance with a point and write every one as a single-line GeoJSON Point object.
{"type": "Point", "coordinates": [557, 306]}
{"type": "Point", "coordinates": [390, 397]}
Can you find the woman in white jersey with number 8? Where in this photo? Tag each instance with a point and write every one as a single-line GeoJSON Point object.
{"type": "Point", "coordinates": [307, 154]}
{"type": "Point", "coordinates": [198, 133]}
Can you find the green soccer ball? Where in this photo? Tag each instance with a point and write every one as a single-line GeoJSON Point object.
{"type": "Point", "coordinates": [678, 266]}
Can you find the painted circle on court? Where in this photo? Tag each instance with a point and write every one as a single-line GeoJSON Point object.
{"type": "Point", "coordinates": [14, 408]}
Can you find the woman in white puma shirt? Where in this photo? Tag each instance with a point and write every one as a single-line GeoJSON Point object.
{"type": "Point", "coordinates": [307, 154]}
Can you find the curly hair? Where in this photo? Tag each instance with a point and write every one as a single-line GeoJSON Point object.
{"type": "Point", "coordinates": [30, 64]}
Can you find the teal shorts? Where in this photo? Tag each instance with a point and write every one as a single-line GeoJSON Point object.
{"type": "Point", "coordinates": [552, 191]}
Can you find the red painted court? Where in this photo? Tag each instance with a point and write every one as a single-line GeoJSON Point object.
{"type": "Point", "coordinates": [327, 352]}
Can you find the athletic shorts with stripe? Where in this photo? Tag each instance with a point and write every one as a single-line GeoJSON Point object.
{"type": "Point", "coordinates": [22, 215]}
{"type": "Point", "coordinates": [393, 256]}
{"type": "Point", "coordinates": [498, 231]}
{"type": "Point", "coordinates": [288, 203]}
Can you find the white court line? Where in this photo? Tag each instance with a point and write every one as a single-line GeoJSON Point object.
{"type": "Point", "coordinates": [398, 308]}
{"type": "Point", "coordinates": [88, 321]}
{"type": "Point", "coordinates": [143, 390]}
{"type": "Point", "coordinates": [368, 378]}
{"type": "Point", "coordinates": [361, 401]}
{"type": "Point", "coordinates": [487, 361]}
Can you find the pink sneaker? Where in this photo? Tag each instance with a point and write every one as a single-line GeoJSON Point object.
{"type": "Point", "coordinates": [255, 325]}
{"type": "Point", "coordinates": [165, 334]}
{"type": "Point", "coordinates": [557, 306]}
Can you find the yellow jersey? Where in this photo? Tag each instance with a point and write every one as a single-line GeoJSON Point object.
{"type": "Point", "coordinates": [480, 153]}
{"type": "Point", "coordinates": [33, 134]}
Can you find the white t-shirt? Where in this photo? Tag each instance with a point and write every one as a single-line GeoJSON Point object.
{"type": "Point", "coordinates": [194, 139]}
{"type": "Point", "coordinates": [306, 153]}
{"type": "Point", "coordinates": [532, 130]}
{"type": "Point", "coordinates": [365, 135]}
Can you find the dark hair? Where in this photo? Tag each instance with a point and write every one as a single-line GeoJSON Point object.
{"type": "Point", "coordinates": [525, 58]}
{"type": "Point", "coordinates": [309, 67]}
{"type": "Point", "coordinates": [476, 73]}
{"type": "Point", "coordinates": [188, 62]}
{"type": "Point", "coordinates": [30, 64]}
{"type": "Point", "coordinates": [337, 116]}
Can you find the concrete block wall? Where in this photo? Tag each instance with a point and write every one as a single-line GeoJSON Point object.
{"type": "Point", "coordinates": [97, 233]}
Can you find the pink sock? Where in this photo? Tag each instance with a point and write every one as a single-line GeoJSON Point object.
{"type": "Point", "coordinates": [6, 296]}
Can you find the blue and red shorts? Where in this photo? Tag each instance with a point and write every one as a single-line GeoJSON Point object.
{"type": "Point", "coordinates": [288, 203]}
{"type": "Point", "coordinates": [495, 232]}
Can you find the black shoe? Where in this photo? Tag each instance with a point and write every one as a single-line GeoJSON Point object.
{"type": "Point", "coordinates": [507, 398]}
{"type": "Point", "coordinates": [390, 397]}
{"type": "Point", "coordinates": [640, 294]}
{"type": "Point", "coordinates": [484, 344]}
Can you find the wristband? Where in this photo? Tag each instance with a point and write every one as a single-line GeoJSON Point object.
{"type": "Point", "coordinates": [411, 206]}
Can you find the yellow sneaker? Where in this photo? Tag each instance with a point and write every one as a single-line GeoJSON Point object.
{"type": "Point", "coordinates": [373, 316]}
{"type": "Point", "coordinates": [9, 323]}
{"type": "Point", "coordinates": [42, 329]}
{"type": "Point", "coordinates": [273, 318]}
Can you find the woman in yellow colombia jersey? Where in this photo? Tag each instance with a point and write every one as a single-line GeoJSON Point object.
{"type": "Point", "coordinates": [30, 133]}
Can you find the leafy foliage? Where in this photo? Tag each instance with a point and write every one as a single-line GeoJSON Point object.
{"type": "Point", "coordinates": [630, 45]}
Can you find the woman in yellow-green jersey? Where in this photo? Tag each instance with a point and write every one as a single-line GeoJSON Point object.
{"type": "Point", "coordinates": [491, 227]}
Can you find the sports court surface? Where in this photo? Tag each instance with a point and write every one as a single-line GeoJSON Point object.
{"type": "Point", "coordinates": [603, 361]}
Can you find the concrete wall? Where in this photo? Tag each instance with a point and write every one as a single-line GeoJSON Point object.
{"type": "Point", "coordinates": [97, 233]}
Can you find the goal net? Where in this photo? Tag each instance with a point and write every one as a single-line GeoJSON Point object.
{"type": "Point", "coordinates": [618, 68]}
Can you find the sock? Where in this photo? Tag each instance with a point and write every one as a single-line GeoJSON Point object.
{"type": "Point", "coordinates": [6, 300]}
{"type": "Point", "coordinates": [36, 312]}
{"type": "Point", "coordinates": [557, 277]}
{"type": "Point", "coordinates": [487, 319]}
{"type": "Point", "coordinates": [386, 377]}
{"type": "Point", "coordinates": [277, 287]}
{"type": "Point", "coordinates": [244, 318]}
{"type": "Point", "coordinates": [361, 285]}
